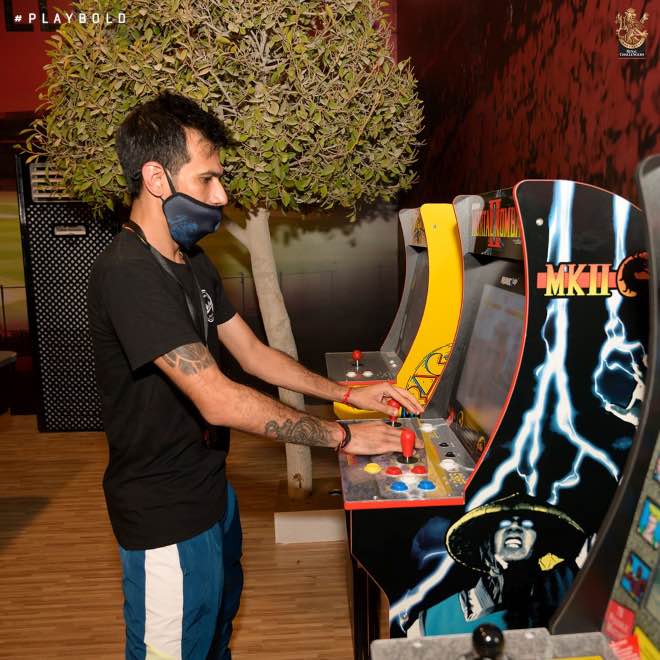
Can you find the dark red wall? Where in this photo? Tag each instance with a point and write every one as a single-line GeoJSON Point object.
{"type": "Point", "coordinates": [522, 89]}
{"type": "Point", "coordinates": [23, 54]}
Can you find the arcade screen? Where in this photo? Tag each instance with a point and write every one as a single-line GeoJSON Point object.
{"type": "Point", "coordinates": [415, 304]}
{"type": "Point", "coordinates": [490, 358]}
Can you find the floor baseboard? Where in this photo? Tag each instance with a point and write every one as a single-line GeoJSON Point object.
{"type": "Point", "coordinates": [316, 519]}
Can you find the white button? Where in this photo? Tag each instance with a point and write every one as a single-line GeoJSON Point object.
{"type": "Point", "coordinates": [426, 427]}
{"type": "Point", "coordinates": [367, 374]}
{"type": "Point", "coordinates": [351, 374]}
{"type": "Point", "coordinates": [449, 464]}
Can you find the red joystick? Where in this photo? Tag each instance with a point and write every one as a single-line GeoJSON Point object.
{"type": "Point", "coordinates": [357, 356]}
{"type": "Point", "coordinates": [407, 443]}
{"type": "Point", "coordinates": [394, 405]}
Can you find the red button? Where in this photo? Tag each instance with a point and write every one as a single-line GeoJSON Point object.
{"type": "Point", "coordinates": [394, 471]}
{"type": "Point", "coordinates": [419, 469]}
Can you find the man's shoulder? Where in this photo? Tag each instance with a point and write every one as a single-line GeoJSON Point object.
{"type": "Point", "coordinates": [124, 246]}
{"type": "Point", "coordinates": [124, 251]}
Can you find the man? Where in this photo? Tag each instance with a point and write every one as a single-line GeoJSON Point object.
{"type": "Point", "coordinates": [522, 553]}
{"type": "Point", "coordinates": [157, 314]}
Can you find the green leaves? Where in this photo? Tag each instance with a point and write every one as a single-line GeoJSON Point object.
{"type": "Point", "coordinates": [320, 112]}
{"type": "Point", "coordinates": [106, 178]}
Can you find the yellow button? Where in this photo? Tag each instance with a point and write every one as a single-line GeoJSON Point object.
{"type": "Point", "coordinates": [372, 468]}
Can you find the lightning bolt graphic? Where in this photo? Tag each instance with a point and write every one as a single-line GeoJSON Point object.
{"type": "Point", "coordinates": [399, 611]}
{"type": "Point", "coordinates": [618, 356]}
{"type": "Point", "coordinates": [551, 377]}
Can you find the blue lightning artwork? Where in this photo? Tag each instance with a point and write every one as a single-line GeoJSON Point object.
{"type": "Point", "coordinates": [552, 378]}
{"type": "Point", "coordinates": [618, 356]}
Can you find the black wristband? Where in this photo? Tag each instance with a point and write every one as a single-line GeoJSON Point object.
{"type": "Point", "coordinates": [347, 436]}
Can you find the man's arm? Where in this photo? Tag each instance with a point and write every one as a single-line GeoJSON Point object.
{"type": "Point", "coordinates": [279, 369]}
{"type": "Point", "coordinates": [223, 402]}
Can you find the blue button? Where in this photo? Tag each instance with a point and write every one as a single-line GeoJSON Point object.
{"type": "Point", "coordinates": [426, 484]}
{"type": "Point", "coordinates": [399, 486]}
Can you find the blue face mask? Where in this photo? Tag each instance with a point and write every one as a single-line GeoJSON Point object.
{"type": "Point", "coordinates": [189, 219]}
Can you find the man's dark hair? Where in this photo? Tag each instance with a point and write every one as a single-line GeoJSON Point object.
{"type": "Point", "coordinates": [155, 131]}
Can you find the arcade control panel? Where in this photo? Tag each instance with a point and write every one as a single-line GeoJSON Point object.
{"type": "Point", "coordinates": [434, 475]}
{"type": "Point", "coordinates": [363, 367]}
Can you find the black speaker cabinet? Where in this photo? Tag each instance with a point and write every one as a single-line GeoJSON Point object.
{"type": "Point", "coordinates": [61, 239]}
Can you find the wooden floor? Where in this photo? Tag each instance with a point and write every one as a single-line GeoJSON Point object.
{"type": "Point", "coordinates": [60, 592]}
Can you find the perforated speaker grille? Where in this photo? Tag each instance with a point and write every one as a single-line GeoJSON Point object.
{"type": "Point", "coordinates": [60, 243]}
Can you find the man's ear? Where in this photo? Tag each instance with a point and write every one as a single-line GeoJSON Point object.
{"type": "Point", "coordinates": [154, 179]}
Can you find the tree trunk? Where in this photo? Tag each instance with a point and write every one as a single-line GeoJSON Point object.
{"type": "Point", "coordinates": [279, 334]}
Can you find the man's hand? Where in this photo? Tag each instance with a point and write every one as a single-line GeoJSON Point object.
{"type": "Point", "coordinates": [375, 397]}
{"type": "Point", "coordinates": [375, 438]}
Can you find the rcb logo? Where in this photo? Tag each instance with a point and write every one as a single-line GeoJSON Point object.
{"type": "Point", "coordinates": [631, 33]}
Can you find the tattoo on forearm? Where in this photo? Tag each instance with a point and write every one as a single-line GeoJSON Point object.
{"type": "Point", "coordinates": [189, 359]}
{"type": "Point", "coordinates": [306, 431]}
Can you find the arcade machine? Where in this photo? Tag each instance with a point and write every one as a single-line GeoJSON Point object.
{"type": "Point", "coordinates": [632, 619]}
{"type": "Point", "coordinates": [526, 438]}
{"type": "Point", "coordinates": [419, 341]}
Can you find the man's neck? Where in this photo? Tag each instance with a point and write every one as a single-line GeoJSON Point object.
{"type": "Point", "coordinates": [154, 226]}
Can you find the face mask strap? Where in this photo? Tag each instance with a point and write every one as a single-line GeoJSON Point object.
{"type": "Point", "coordinates": [172, 188]}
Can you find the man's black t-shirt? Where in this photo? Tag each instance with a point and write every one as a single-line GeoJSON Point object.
{"type": "Point", "coordinates": [163, 484]}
